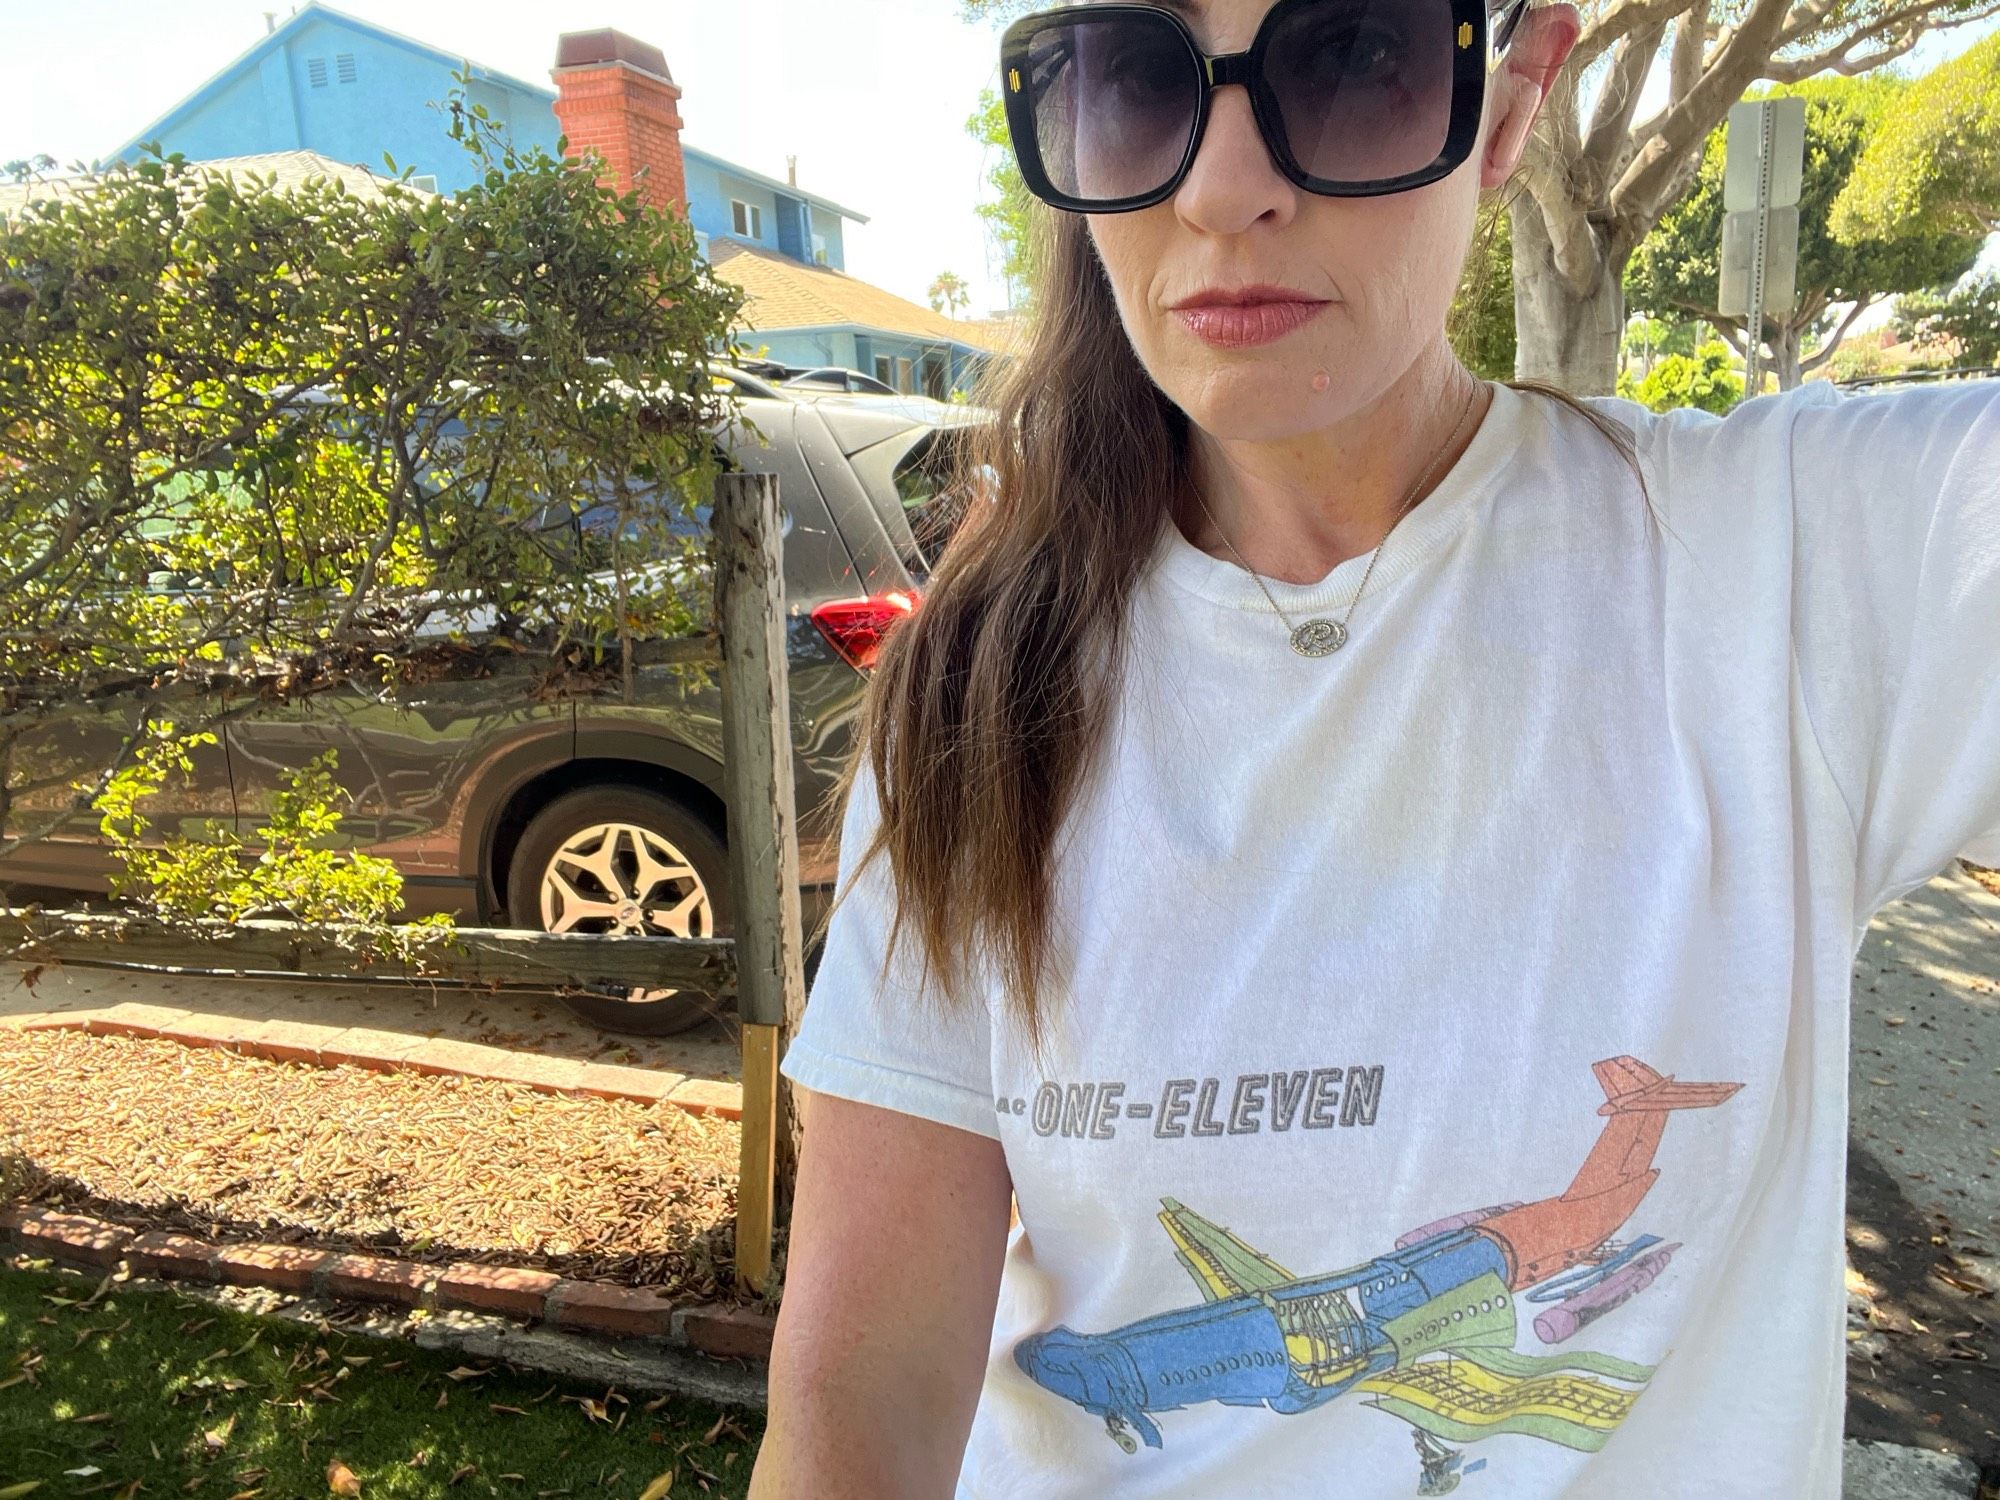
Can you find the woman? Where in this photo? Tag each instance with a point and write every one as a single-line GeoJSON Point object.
{"type": "Point", "coordinates": [1368, 860]}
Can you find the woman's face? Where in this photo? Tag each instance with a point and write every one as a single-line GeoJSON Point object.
{"type": "Point", "coordinates": [1369, 280]}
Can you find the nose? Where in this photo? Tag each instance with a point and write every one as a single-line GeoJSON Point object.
{"type": "Point", "coordinates": [1233, 182]}
{"type": "Point", "coordinates": [1074, 1366]}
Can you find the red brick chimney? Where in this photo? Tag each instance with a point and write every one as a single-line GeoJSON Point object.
{"type": "Point", "coordinates": [616, 98]}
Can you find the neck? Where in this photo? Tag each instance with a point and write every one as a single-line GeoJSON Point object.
{"type": "Point", "coordinates": [1299, 507]}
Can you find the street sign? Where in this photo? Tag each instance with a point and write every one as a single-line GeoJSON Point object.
{"type": "Point", "coordinates": [1781, 262]}
{"type": "Point", "coordinates": [1743, 165]}
{"type": "Point", "coordinates": [1763, 173]}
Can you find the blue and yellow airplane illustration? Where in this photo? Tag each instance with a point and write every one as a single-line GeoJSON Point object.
{"type": "Point", "coordinates": [1425, 1332]}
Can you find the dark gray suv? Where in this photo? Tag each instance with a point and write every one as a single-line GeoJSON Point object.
{"type": "Point", "coordinates": [588, 813]}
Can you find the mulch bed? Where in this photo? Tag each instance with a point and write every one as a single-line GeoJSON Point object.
{"type": "Point", "coordinates": [158, 1135]}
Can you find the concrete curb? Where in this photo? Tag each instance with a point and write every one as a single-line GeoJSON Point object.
{"type": "Point", "coordinates": [516, 1294]}
{"type": "Point", "coordinates": [394, 1051]}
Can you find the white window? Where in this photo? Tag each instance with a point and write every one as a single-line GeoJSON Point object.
{"type": "Point", "coordinates": [819, 250]}
{"type": "Point", "coordinates": [424, 181]}
{"type": "Point", "coordinates": [885, 369]}
{"type": "Point", "coordinates": [748, 219]}
{"type": "Point", "coordinates": [906, 375]}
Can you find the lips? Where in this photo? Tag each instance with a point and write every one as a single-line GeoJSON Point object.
{"type": "Point", "coordinates": [1241, 320]}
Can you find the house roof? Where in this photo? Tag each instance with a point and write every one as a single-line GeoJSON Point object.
{"type": "Point", "coordinates": [735, 169]}
{"type": "Point", "coordinates": [314, 8]}
{"type": "Point", "coordinates": [785, 293]}
{"type": "Point", "coordinates": [290, 168]}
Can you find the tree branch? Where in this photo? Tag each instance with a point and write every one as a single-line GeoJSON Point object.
{"type": "Point", "coordinates": [1611, 121]}
{"type": "Point", "coordinates": [1640, 192]}
{"type": "Point", "coordinates": [1826, 351]}
{"type": "Point", "coordinates": [1620, 20]}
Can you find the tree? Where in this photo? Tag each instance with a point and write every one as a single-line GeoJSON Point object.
{"type": "Point", "coordinates": [1482, 315]}
{"type": "Point", "coordinates": [1597, 178]}
{"type": "Point", "coordinates": [1675, 270]}
{"type": "Point", "coordinates": [1007, 214]}
{"type": "Point", "coordinates": [256, 443]}
{"type": "Point", "coordinates": [1649, 340]}
{"type": "Point", "coordinates": [1703, 380]}
{"type": "Point", "coordinates": [1962, 324]}
{"type": "Point", "coordinates": [1934, 160]}
{"type": "Point", "coordinates": [949, 291]}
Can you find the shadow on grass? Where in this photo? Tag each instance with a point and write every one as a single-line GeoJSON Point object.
{"type": "Point", "coordinates": [184, 1397]}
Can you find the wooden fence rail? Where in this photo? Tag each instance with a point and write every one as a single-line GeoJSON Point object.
{"type": "Point", "coordinates": [478, 956]}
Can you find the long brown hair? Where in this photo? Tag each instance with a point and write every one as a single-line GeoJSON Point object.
{"type": "Point", "coordinates": [990, 704]}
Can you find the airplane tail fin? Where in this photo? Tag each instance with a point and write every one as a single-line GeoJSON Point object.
{"type": "Point", "coordinates": [1630, 1087]}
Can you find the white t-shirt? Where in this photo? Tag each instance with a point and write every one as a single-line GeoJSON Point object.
{"type": "Point", "coordinates": [1451, 1093]}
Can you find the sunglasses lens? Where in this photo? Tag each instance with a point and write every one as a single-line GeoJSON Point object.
{"type": "Point", "coordinates": [1115, 100]}
{"type": "Point", "coordinates": [1363, 87]}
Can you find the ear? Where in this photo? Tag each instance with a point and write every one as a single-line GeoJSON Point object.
{"type": "Point", "coordinates": [1541, 45]}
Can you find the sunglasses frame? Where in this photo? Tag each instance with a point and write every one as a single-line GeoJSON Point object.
{"type": "Point", "coordinates": [1481, 36]}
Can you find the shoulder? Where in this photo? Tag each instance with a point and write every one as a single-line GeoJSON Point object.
{"type": "Point", "coordinates": [1817, 445]}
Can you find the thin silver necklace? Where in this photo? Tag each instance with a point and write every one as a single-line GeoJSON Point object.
{"type": "Point", "coordinates": [1323, 637]}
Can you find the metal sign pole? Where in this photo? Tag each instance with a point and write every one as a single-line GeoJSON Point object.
{"type": "Point", "coordinates": [1763, 175]}
{"type": "Point", "coordinates": [1760, 242]}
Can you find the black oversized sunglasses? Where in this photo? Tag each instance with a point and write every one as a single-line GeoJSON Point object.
{"type": "Point", "coordinates": [1107, 104]}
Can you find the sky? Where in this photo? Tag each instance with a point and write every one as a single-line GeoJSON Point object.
{"type": "Point", "coordinates": [871, 95]}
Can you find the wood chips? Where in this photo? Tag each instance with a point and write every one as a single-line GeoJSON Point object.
{"type": "Point", "coordinates": [160, 1135]}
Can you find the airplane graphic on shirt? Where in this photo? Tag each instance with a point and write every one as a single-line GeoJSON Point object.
{"type": "Point", "coordinates": [1425, 1332]}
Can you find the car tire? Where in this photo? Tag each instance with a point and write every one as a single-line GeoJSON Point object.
{"type": "Point", "coordinates": [556, 882]}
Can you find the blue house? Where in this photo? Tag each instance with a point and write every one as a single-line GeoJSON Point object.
{"type": "Point", "coordinates": [325, 82]}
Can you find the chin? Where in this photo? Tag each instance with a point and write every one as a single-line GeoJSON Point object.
{"type": "Point", "coordinates": [1258, 401]}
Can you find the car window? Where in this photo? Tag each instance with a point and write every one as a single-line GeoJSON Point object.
{"type": "Point", "coordinates": [916, 471]}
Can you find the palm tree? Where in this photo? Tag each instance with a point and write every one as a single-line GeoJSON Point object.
{"type": "Point", "coordinates": [949, 292]}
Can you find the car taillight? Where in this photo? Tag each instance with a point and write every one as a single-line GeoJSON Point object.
{"type": "Point", "coordinates": [856, 627]}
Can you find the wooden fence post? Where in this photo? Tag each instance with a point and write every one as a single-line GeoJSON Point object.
{"type": "Point", "coordinates": [763, 834]}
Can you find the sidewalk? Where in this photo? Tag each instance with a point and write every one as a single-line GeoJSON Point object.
{"type": "Point", "coordinates": [1924, 1194]}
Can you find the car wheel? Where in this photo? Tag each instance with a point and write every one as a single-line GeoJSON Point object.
{"type": "Point", "coordinates": [625, 860]}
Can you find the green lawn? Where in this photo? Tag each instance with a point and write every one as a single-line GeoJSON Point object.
{"type": "Point", "coordinates": [165, 1395]}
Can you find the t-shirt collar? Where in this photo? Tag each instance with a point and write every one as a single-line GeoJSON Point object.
{"type": "Point", "coordinates": [1422, 533]}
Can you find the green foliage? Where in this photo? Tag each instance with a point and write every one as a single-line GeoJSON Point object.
{"type": "Point", "coordinates": [1481, 323]}
{"type": "Point", "coordinates": [1703, 380]}
{"type": "Point", "coordinates": [1653, 338]}
{"type": "Point", "coordinates": [1010, 213]}
{"type": "Point", "coordinates": [1959, 326]}
{"type": "Point", "coordinates": [1675, 272]}
{"type": "Point", "coordinates": [1933, 164]}
{"type": "Point", "coordinates": [286, 870]}
{"type": "Point", "coordinates": [949, 293]}
{"type": "Point", "coordinates": [277, 439]}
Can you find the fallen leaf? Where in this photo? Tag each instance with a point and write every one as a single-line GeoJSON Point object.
{"type": "Point", "coordinates": [465, 1471]}
{"type": "Point", "coordinates": [660, 1488]}
{"type": "Point", "coordinates": [16, 1491]}
{"type": "Point", "coordinates": [341, 1480]}
{"type": "Point", "coordinates": [464, 1372]}
{"type": "Point", "coordinates": [511, 1410]}
{"type": "Point", "coordinates": [88, 1471]}
{"type": "Point", "coordinates": [217, 1438]}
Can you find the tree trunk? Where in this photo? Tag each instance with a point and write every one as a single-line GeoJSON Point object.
{"type": "Point", "coordinates": [1561, 336]}
{"type": "Point", "coordinates": [1786, 353]}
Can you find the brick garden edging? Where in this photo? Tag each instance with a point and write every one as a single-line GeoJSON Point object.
{"type": "Point", "coordinates": [721, 1331]}
{"type": "Point", "coordinates": [390, 1052]}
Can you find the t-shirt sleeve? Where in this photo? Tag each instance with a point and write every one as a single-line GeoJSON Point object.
{"type": "Point", "coordinates": [1897, 622]}
{"type": "Point", "coordinates": [885, 1039]}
